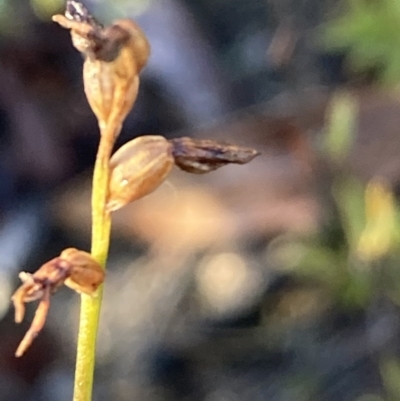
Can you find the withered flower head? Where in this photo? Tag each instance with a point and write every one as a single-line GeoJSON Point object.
{"type": "Point", "coordinates": [137, 169]}
{"type": "Point", "coordinates": [77, 269]}
{"type": "Point", "coordinates": [200, 156]}
{"type": "Point", "coordinates": [114, 57]}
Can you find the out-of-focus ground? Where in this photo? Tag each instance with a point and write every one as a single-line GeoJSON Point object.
{"type": "Point", "coordinates": [278, 280]}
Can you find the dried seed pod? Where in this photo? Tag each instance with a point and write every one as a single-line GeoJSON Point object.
{"type": "Point", "coordinates": [112, 86]}
{"type": "Point", "coordinates": [200, 156]}
{"type": "Point", "coordinates": [114, 57]}
{"type": "Point", "coordinates": [137, 169]}
{"type": "Point", "coordinates": [75, 268]}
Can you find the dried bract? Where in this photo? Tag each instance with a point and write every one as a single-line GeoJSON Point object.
{"type": "Point", "coordinates": [199, 156]}
{"type": "Point", "coordinates": [75, 268]}
{"type": "Point", "coordinates": [137, 169]}
{"type": "Point", "coordinates": [114, 57]}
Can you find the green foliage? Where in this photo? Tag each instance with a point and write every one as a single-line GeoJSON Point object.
{"type": "Point", "coordinates": [370, 397]}
{"type": "Point", "coordinates": [369, 31]}
{"type": "Point", "coordinates": [348, 194]}
{"type": "Point", "coordinates": [342, 116]}
{"type": "Point", "coordinates": [390, 372]}
{"type": "Point", "coordinates": [363, 262]}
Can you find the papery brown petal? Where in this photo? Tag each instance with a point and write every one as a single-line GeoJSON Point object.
{"type": "Point", "coordinates": [200, 156]}
{"type": "Point", "coordinates": [137, 43]}
{"type": "Point", "coordinates": [37, 324]}
{"type": "Point", "coordinates": [18, 300]}
{"type": "Point", "coordinates": [137, 169]}
{"type": "Point", "coordinates": [86, 274]}
{"type": "Point", "coordinates": [83, 35]}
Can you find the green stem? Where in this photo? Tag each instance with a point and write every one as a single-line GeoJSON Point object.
{"type": "Point", "coordinates": [90, 305]}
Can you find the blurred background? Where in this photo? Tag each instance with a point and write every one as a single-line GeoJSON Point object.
{"type": "Point", "coordinates": [278, 280]}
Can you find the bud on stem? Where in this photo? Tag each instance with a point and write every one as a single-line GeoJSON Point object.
{"type": "Point", "coordinates": [137, 169]}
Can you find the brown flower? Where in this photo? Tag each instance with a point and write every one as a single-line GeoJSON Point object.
{"type": "Point", "coordinates": [114, 57]}
{"type": "Point", "coordinates": [74, 268]}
